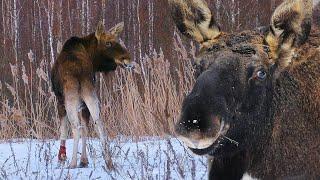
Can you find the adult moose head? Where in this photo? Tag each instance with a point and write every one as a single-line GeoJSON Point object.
{"type": "Point", "coordinates": [255, 107]}
{"type": "Point", "coordinates": [73, 82]}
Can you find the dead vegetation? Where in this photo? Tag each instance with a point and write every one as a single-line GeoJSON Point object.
{"type": "Point", "coordinates": [135, 104]}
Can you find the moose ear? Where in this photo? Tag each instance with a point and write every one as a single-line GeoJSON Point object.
{"type": "Point", "coordinates": [194, 19]}
{"type": "Point", "coordinates": [290, 28]}
{"type": "Point", "coordinates": [117, 29]}
{"type": "Point", "coordinates": [100, 30]}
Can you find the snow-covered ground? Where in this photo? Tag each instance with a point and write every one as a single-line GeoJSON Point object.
{"type": "Point", "coordinates": [151, 158]}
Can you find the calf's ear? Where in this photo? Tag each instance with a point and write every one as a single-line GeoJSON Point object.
{"type": "Point", "coordinates": [194, 19]}
{"type": "Point", "coordinates": [100, 30]}
{"type": "Point", "coordinates": [117, 29]}
{"type": "Point", "coordinates": [290, 27]}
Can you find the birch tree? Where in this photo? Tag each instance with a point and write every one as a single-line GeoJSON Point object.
{"type": "Point", "coordinates": [50, 16]}
{"type": "Point", "coordinates": [139, 30]}
{"type": "Point", "coordinates": [151, 24]}
{"type": "Point", "coordinates": [15, 29]}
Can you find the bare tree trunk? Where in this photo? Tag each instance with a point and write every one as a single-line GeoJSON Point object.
{"type": "Point", "coordinates": [132, 24]}
{"type": "Point", "coordinates": [238, 15]}
{"type": "Point", "coordinates": [217, 12]}
{"type": "Point", "coordinates": [15, 30]}
{"type": "Point", "coordinates": [273, 5]}
{"type": "Point", "coordinates": [139, 30]}
{"type": "Point", "coordinates": [103, 11]}
{"type": "Point", "coordinates": [83, 18]}
{"type": "Point", "coordinates": [233, 15]}
{"type": "Point", "coordinates": [50, 16]}
{"type": "Point", "coordinates": [34, 25]}
{"type": "Point", "coordinates": [41, 30]}
{"type": "Point", "coordinates": [118, 10]}
{"type": "Point", "coordinates": [3, 23]}
{"type": "Point", "coordinates": [60, 19]}
{"type": "Point", "coordinates": [70, 19]}
{"type": "Point", "coordinates": [151, 24]}
{"type": "Point", "coordinates": [88, 17]}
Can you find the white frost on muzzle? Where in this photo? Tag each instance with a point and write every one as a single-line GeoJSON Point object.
{"type": "Point", "coordinates": [207, 142]}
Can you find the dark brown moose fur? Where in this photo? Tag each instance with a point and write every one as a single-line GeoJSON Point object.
{"type": "Point", "coordinates": [73, 82]}
{"type": "Point", "coordinates": [255, 106]}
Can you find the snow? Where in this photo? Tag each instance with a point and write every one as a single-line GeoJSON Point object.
{"type": "Point", "coordinates": [248, 177]}
{"type": "Point", "coordinates": [151, 158]}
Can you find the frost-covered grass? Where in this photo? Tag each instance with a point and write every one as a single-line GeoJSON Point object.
{"type": "Point", "coordinates": [151, 158]}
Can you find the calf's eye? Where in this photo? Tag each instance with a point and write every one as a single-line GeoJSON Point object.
{"type": "Point", "coordinates": [261, 74]}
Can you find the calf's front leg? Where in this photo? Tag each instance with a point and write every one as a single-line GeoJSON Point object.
{"type": "Point", "coordinates": [92, 102]}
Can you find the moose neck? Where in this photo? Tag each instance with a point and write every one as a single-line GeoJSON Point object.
{"type": "Point", "coordinates": [100, 63]}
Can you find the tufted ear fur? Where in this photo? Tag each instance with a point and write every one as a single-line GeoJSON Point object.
{"type": "Point", "coordinates": [117, 29]}
{"type": "Point", "coordinates": [290, 28]}
{"type": "Point", "coordinates": [194, 19]}
{"type": "Point", "coordinates": [100, 30]}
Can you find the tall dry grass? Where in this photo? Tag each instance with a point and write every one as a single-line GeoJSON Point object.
{"type": "Point", "coordinates": [141, 103]}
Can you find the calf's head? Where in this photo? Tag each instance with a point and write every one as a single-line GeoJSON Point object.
{"type": "Point", "coordinates": [109, 52]}
{"type": "Point", "coordinates": [230, 104]}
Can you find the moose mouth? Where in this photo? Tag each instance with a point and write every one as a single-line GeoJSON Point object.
{"type": "Point", "coordinates": [207, 145]}
{"type": "Point", "coordinates": [126, 64]}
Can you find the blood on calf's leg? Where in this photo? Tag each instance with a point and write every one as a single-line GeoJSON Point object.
{"type": "Point", "coordinates": [62, 156]}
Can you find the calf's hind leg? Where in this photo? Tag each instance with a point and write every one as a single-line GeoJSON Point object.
{"type": "Point", "coordinates": [62, 156]}
{"type": "Point", "coordinates": [90, 97]}
{"type": "Point", "coordinates": [85, 116]}
{"type": "Point", "coordinates": [72, 102]}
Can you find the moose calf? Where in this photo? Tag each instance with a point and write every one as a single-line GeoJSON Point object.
{"type": "Point", "coordinates": [255, 107]}
{"type": "Point", "coordinates": [73, 82]}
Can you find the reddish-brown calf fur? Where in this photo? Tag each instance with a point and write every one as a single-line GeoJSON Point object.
{"type": "Point", "coordinates": [77, 64]}
{"type": "Point", "coordinates": [73, 82]}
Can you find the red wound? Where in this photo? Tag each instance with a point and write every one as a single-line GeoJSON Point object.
{"type": "Point", "coordinates": [62, 156]}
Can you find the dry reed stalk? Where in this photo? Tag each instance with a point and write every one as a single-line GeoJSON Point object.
{"type": "Point", "coordinates": [146, 103]}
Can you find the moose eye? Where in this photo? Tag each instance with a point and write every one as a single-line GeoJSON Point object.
{"type": "Point", "coordinates": [261, 74]}
{"type": "Point", "coordinates": [108, 44]}
{"type": "Point", "coordinates": [266, 49]}
{"type": "Point", "coordinates": [213, 48]}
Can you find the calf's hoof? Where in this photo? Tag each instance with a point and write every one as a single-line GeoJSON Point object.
{"type": "Point", "coordinates": [72, 166]}
{"type": "Point", "coordinates": [83, 164]}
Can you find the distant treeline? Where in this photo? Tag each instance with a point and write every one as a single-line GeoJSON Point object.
{"type": "Point", "coordinates": [38, 25]}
